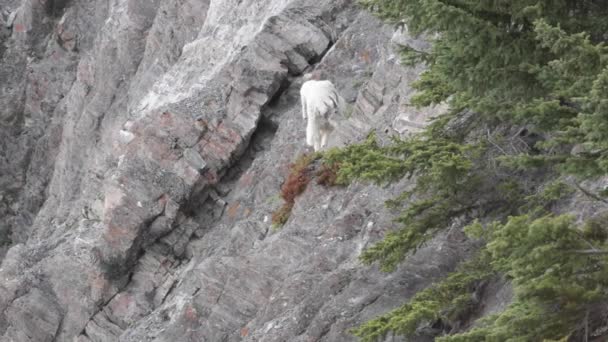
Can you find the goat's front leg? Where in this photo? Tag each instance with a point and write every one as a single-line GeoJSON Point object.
{"type": "Point", "coordinates": [304, 107]}
{"type": "Point", "coordinates": [310, 131]}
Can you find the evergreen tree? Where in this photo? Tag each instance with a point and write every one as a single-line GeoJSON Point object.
{"type": "Point", "coordinates": [542, 64]}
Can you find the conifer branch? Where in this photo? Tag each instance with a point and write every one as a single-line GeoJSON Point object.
{"type": "Point", "coordinates": [589, 193]}
{"type": "Point", "coordinates": [590, 251]}
{"type": "Point", "coordinates": [494, 144]}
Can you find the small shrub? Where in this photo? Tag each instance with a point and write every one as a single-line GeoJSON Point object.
{"type": "Point", "coordinates": [280, 216]}
{"type": "Point", "coordinates": [295, 184]}
{"type": "Point", "coordinates": [328, 174]}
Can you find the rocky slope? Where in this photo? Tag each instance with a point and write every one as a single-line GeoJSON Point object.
{"type": "Point", "coordinates": [142, 147]}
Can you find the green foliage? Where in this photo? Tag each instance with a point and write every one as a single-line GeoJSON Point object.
{"type": "Point", "coordinates": [596, 228]}
{"type": "Point", "coordinates": [553, 272]}
{"type": "Point", "coordinates": [444, 178]}
{"type": "Point", "coordinates": [554, 191]}
{"type": "Point", "coordinates": [532, 252]}
{"type": "Point", "coordinates": [540, 203]}
{"type": "Point", "coordinates": [522, 44]}
{"type": "Point", "coordinates": [281, 215]}
{"type": "Point", "coordinates": [535, 62]}
{"type": "Point", "coordinates": [520, 322]}
{"type": "Point", "coordinates": [446, 302]}
{"type": "Point", "coordinates": [542, 64]}
{"type": "Point", "coordinates": [364, 160]}
{"type": "Point", "coordinates": [411, 56]}
{"type": "Point", "coordinates": [328, 174]}
{"type": "Point", "coordinates": [436, 161]}
{"type": "Point", "coordinates": [420, 221]}
{"type": "Point", "coordinates": [554, 276]}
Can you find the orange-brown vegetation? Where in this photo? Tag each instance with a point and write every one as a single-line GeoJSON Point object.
{"type": "Point", "coordinates": [295, 184]}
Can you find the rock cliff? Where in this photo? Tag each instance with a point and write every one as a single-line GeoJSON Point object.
{"type": "Point", "coordinates": [143, 144]}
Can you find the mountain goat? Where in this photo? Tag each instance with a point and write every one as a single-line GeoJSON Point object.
{"type": "Point", "coordinates": [320, 103]}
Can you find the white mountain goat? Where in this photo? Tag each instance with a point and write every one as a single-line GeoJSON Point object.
{"type": "Point", "coordinates": [320, 105]}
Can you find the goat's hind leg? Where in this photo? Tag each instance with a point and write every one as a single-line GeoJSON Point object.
{"type": "Point", "coordinates": [317, 143]}
{"type": "Point", "coordinates": [324, 136]}
{"type": "Point", "coordinates": [325, 130]}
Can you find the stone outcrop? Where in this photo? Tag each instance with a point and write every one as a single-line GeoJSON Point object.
{"type": "Point", "coordinates": [143, 144]}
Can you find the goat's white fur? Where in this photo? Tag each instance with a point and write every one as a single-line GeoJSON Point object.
{"type": "Point", "coordinates": [320, 103]}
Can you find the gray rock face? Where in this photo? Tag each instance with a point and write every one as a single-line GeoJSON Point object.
{"type": "Point", "coordinates": [143, 144]}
